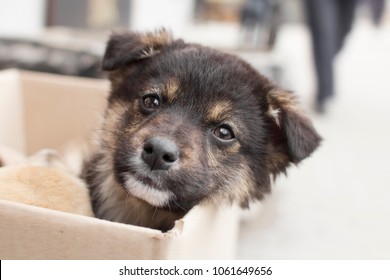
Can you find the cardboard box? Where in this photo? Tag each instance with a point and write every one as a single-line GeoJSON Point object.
{"type": "Point", "coordinates": [48, 111]}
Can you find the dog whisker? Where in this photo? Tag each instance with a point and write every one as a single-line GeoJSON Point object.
{"type": "Point", "coordinates": [154, 213]}
{"type": "Point", "coordinates": [181, 207]}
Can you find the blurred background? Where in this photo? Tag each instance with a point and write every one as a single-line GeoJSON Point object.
{"type": "Point", "coordinates": [334, 54]}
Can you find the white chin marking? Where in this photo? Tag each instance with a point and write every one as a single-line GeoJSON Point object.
{"type": "Point", "coordinates": [151, 195]}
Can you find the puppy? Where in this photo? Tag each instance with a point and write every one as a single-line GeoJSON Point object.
{"type": "Point", "coordinates": [186, 124]}
{"type": "Point", "coordinates": [43, 180]}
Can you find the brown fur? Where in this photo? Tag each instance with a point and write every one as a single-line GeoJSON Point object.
{"type": "Point", "coordinates": [44, 181]}
{"type": "Point", "coordinates": [230, 126]}
{"type": "Point", "coordinates": [219, 111]}
{"type": "Point", "coordinates": [170, 89]}
{"type": "Point", "coordinates": [291, 121]}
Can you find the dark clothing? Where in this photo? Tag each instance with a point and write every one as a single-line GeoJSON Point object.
{"type": "Point", "coordinates": [329, 22]}
{"type": "Point", "coordinates": [260, 20]}
{"type": "Point", "coordinates": [377, 8]}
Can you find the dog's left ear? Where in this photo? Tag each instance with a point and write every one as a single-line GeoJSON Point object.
{"type": "Point", "coordinates": [293, 136]}
{"type": "Point", "coordinates": [125, 48]}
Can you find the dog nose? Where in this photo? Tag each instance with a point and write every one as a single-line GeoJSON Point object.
{"type": "Point", "coordinates": [160, 153]}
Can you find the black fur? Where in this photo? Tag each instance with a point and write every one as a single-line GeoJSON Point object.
{"type": "Point", "coordinates": [209, 170]}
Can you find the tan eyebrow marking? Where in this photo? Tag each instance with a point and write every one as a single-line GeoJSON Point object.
{"type": "Point", "coordinates": [170, 89]}
{"type": "Point", "coordinates": [218, 111]}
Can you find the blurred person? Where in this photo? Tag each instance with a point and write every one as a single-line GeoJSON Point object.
{"type": "Point", "coordinates": [259, 21]}
{"type": "Point", "coordinates": [329, 21]}
{"type": "Point", "coordinates": [377, 8]}
{"type": "Point", "coordinates": [102, 13]}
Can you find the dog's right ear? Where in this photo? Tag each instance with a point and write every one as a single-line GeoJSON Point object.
{"type": "Point", "coordinates": [125, 48]}
{"type": "Point", "coordinates": [293, 135]}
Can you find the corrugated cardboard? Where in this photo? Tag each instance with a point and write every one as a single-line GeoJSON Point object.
{"type": "Point", "coordinates": [48, 111]}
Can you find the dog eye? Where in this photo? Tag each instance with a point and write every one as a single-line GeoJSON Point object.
{"type": "Point", "coordinates": [150, 103]}
{"type": "Point", "coordinates": [224, 133]}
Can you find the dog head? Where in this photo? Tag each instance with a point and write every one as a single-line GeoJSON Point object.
{"type": "Point", "coordinates": [187, 123]}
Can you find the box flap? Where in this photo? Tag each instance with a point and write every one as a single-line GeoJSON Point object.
{"type": "Point", "coordinates": [74, 105]}
{"type": "Point", "coordinates": [29, 232]}
{"type": "Point", "coordinates": [208, 232]}
{"type": "Point", "coordinates": [12, 132]}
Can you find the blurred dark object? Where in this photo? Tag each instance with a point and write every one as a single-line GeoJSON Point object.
{"type": "Point", "coordinates": [88, 13]}
{"type": "Point", "coordinates": [36, 56]}
{"type": "Point", "coordinates": [260, 20]}
{"type": "Point", "coordinates": [377, 8]}
{"type": "Point", "coordinates": [217, 10]}
{"type": "Point", "coordinates": [330, 21]}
